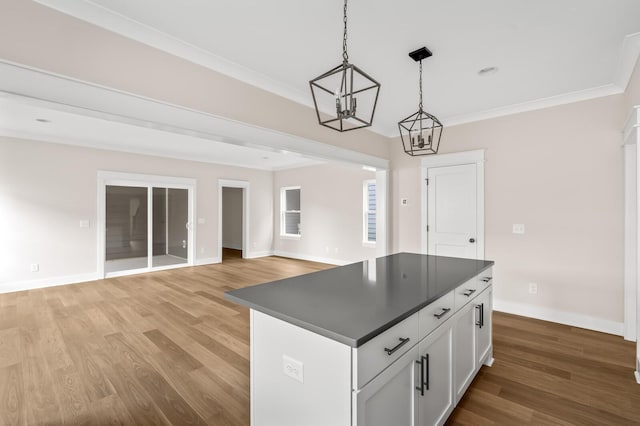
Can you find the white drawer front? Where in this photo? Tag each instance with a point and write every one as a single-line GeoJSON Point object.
{"type": "Point", "coordinates": [377, 354]}
{"type": "Point", "coordinates": [472, 288]}
{"type": "Point", "coordinates": [436, 313]}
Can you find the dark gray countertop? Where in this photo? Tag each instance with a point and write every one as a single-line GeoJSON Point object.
{"type": "Point", "coordinates": [354, 303]}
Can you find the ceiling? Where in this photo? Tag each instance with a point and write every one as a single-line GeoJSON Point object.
{"type": "Point", "coordinates": [21, 119]}
{"type": "Point", "coordinates": [546, 49]}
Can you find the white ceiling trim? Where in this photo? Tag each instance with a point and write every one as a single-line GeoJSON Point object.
{"type": "Point", "coordinates": [131, 149]}
{"type": "Point", "coordinates": [129, 28]}
{"type": "Point", "coordinates": [582, 95]}
{"type": "Point", "coordinates": [43, 88]}
{"type": "Point", "coordinates": [630, 55]}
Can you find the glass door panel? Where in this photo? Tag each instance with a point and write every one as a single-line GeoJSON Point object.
{"type": "Point", "coordinates": [126, 239]}
{"type": "Point", "coordinates": [170, 224]}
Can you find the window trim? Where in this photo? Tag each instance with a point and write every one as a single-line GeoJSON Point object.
{"type": "Point", "coordinates": [366, 211]}
{"type": "Point", "coordinates": [283, 211]}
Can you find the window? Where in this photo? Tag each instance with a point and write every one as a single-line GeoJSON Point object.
{"type": "Point", "coordinates": [369, 202]}
{"type": "Point", "coordinates": [290, 211]}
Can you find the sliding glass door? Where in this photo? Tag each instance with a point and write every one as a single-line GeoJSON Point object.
{"type": "Point", "coordinates": [147, 226]}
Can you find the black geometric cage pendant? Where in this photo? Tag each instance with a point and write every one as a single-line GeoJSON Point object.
{"type": "Point", "coordinates": [420, 132]}
{"type": "Point", "coordinates": [345, 97]}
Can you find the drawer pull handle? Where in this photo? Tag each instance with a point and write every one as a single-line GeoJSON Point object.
{"type": "Point", "coordinates": [398, 346]}
{"type": "Point", "coordinates": [486, 279]}
{"type": "Point", "coordinates": [443, 313]}
{"type": "Point", "coordinates": [469, 292]}
{"type": "Point", "coordinates": [421, 387]}
{"type": "Point", "coordinates": [426, 383]}
{"type": "Point", "coordinates": [480, 322]}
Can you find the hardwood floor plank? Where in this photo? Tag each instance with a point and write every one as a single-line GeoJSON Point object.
{"type": "Point", "coordinates": [12, 402]}
{"type": "Point", "coordinates": [178, 356]}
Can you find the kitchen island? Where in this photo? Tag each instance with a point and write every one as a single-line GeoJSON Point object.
{"type": "Point", "coordinates": [388, 341]}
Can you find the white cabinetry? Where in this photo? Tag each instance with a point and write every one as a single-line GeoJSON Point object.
{"type": "Point", "coordinates": [464, 348]}
{"type": "Point", "coordinates": [434, 396]}
{"type": "Point", "coordinates": [389, 398]}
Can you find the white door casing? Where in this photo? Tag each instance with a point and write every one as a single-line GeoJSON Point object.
{"type": "Point", "coordinates": [453, 204]}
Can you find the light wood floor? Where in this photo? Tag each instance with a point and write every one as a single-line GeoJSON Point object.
{"type": "Point", "coordinates": [166, 348]}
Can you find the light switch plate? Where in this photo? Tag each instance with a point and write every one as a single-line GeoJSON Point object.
{"type": "Point", "coordinates": [201, 221]}
{"type": "Point", "coordinates": [85, 224]}
{"type": "Point", "coordinates": [293, 368]}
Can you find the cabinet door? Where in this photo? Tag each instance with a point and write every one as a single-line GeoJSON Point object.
{"type": "Point", "coordinates": [436, 352]}
{"type": "Point", "coordinates": [483, 306]}
{"type": "Point", "coordinates": [464, 348]}
{"type": "Point", "coordinates": [389, 398]}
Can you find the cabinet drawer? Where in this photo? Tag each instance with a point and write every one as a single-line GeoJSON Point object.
{"type": "Point", "coordinates": [469, 290]}
{"type": "Point", "coordinates": [378, 353]}
{"type": "Point", "coordinates": [436, 313]}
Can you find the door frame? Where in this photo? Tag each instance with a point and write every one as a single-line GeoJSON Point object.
{"type": "Point", "coordinates": [245, 186]}
{"type": "Point", "coordinates": [143, 181]}
{"type": "Point", "coordinates": [455, 159]}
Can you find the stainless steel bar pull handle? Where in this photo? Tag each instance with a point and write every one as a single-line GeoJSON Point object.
{"type": "Point", "coordinates": [480, 322]}
{"type": "Point", "coordinates": [398, 346]}
{"type": "Point", "coordinates": [486, 279]}
{"type": "Point", "coordinates": [442, 313]}
{"type": "Point", "coordinates": [469, 292]}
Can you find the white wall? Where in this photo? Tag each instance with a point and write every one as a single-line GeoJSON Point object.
{"type": "Point", "coordinates": [331, 217]}
{"type": "Point", "coordinates": [46, 189]}
{"type": "Point", "coordinates": [232, 218]}
{"type": "Point", "coordinates": [558, 171]}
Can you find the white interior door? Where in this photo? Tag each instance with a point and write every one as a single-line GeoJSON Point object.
{"type": "Point", "coordinates": [452, 211]}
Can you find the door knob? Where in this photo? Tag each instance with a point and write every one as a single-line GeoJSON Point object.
{"type": "Point", "coordinates": [472, 240]}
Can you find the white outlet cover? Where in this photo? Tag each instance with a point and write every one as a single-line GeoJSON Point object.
{"type": "Point", "coordinates": [201, 221]}
{"type": "Point", "coordinates": [85, 223]}
{"type": "Point", "coordinates": [404, 202]}
{"type": "Point", "coordinates": [518, 228]}
{"type": "Point", "coordinates": [293, 368]}
{"type": "Point", "coordinates": [34, 267]}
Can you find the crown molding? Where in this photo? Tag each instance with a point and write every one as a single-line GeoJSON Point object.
{"type": "Point", "coordinates": [100, 16]}
{"type": "Point", "coordinates": [628, 60]}
{"type": "Point", "coordinates": [568, 98]}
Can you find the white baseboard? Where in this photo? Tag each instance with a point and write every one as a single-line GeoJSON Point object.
{"type": "Point", "coordinates": [637, 374]}
{"type": "Point", "coordinates": [10, 287]}
{"type": "Point", "coordinates": [232, 246]}
{"type": "Point", "coordinates": [207, 261]}
{"type": "Point", "coordinates": [311, 258]}
{"type": "Point", "coordinates": [561, 317]}
{"type": "Point", "coordinates": [256, 254]}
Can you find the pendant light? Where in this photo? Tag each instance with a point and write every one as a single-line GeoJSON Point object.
{"type": "Point", "coordinates": [345, 97]}
{"type": "Point", "coordinates": [421, 131]}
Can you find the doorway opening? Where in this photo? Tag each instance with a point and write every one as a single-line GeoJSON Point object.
{"type": "Point", "coordinates": [144, 223]}
{"type": "Point", "coordinates": [233, 224]}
